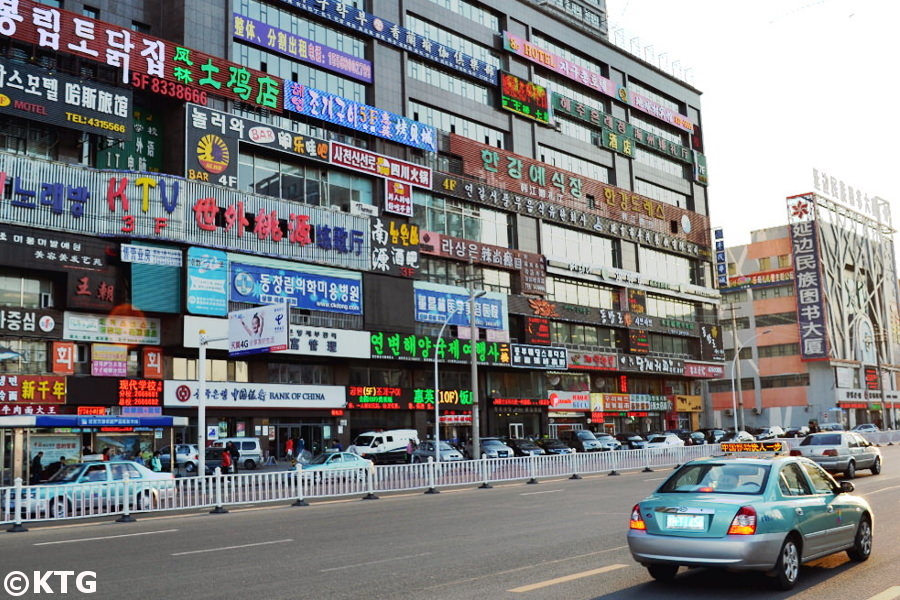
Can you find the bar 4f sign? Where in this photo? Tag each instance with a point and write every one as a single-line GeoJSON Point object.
{"type": "Point", "coordinates": [259, 329]}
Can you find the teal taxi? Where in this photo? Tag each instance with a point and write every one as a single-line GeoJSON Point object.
{"type": "Point", "coordinates": [751, 511]}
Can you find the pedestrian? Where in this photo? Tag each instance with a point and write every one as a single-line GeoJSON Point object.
{"type": "Point", "coordinates": [36, 468]}
{"type": "Point", "coordinates": [156, 462]}
{"type": "Point", "coordinates": [301, 446]}
{"type": "Point", "coordinates": [235, 455]}
{"type": "Point", "coordinates": [410, 448]}
{"type": "Point", "coordinates": [289, 450]}
{"type": "Point", "coordinates": [226, 459]}
{"type": "Point", "coordinates": [106, 454]}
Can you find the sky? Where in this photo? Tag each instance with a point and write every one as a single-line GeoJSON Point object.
{"type": "Point", "coordinates": [788, 86]}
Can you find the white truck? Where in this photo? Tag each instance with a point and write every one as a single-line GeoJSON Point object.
{"type": "Point", "coordinates": [384, 446]}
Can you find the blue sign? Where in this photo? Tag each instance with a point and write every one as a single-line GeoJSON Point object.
{"type": "Point", "coordinates": [433, 307]}
{"type": "Point", "coordinates": [356, 115]}
{"type": "Point", "coordinates": [101, 421]}
{"type": "Point", "coordinates": [401, 37]}
{"type": "Point", "coordinates": [207, 280]}
{"type": "Point", "coordinates": [257, 284]}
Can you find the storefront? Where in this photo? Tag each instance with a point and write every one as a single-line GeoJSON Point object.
{"type": "Point", "coordinates": [78, 436]}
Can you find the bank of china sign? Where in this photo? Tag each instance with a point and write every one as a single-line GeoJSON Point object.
{"type": "Point", "coordinates": [185, 394]}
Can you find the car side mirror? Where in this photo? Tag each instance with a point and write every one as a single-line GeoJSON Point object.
{"type": "Point", "coordinates": [847, 487]}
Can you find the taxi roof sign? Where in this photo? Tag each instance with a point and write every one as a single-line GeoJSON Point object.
{"type": "Point", "coordinates": [757, 447]}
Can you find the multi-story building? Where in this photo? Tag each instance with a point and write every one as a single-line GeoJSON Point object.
{"type": "Point", "coordinates": [809, 316]}
{"type": "Point", "coordinates": [378, 167]}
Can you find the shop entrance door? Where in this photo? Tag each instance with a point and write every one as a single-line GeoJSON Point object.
{"type": "Point", "coordinates": [516, 430]}
{"type": "Point", "coordinates": [312, 435]}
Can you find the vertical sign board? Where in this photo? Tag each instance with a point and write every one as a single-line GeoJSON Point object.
{"type": "Point", "coordinates": [721, 258]}
{"type": "Point", "coordinates": [207, 292]}
{"type": "Point", "coordinates": [808, 278]}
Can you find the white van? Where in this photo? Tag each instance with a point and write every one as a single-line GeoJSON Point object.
{"type": "Point", "coordinates": [384, 446]}
{"type": "Point", "coordinates": [249, 448]}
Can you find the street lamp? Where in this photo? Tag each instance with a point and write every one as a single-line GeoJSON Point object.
{"type": "Point", "coordinates": [736, 365]}
{"type": "Point", "coordinates": [201, 402]}
{"type": "Point", "coordinates": [437, 392]}
{"type": "Point", "coordinates": [473, 330]}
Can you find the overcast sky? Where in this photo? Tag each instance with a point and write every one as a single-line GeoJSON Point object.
{"type": "Point", "coordinates": [788, 86]}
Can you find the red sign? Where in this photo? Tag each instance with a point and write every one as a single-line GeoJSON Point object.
{"type": "Point", "coordinates": [872, 382]}
{"type": "Point", "coordinates": [32, 389]}
{"type": "Point", "coordinates": [153, 362]}
{"type": "Point", "coordinates": [92, 410]}
{"type": "Point", "coordinates": [147, 62]}
{"type": "Point", "coordinates": [63, 360]}
{"type": "Point", "coordinates": [140, 392]}
{"type": "Point", "coordinates": [398, 198]}
{"type": "Point", "coordinates": [616, 402]}
{"type": "Point", "coordinates": [594, 362]}
{"type": "Point", "coordinates": [537, 331]}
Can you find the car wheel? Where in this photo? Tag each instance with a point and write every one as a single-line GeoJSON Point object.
{"type": "Point", "coordinates": [59, 508]}
{"type": "Point", "coordinates": [249, 464]}
{"type": "Point", "coordinates": [876, 468]}
{"type": "Point", "coordinates": [663, 572]}
{"type": "Point", "coordinates": [190, 467]}
{"type": "Point", "coordinates": [862, 543]}
{"type": "Point", "coordinates": [787, 569]}
{"type": "Point", "coordinates": [850, 471]}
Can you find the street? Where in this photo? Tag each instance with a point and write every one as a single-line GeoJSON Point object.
{"type": "Point", "coordinates": [560, 538]}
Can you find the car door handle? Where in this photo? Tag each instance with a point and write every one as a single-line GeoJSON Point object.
{"type": "Point", "coordinates": [799, 511]}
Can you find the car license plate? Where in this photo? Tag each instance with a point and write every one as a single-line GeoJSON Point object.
{"type": "Point", "coordinates": [689, 522]}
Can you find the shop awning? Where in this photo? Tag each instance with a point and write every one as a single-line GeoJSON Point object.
{"type": "Point", "coordinates": [87, 421]}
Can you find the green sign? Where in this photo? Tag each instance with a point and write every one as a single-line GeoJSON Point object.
{"type": "Point", "coordinates": [422, 347]}
{"type": "Point", "coordinates": [143, 152]}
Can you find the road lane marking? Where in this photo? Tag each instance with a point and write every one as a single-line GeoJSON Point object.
{"type": "Point", "coordinates": [541, 492]}
{"type": "Point", "coordinates": [567, 578]}
{"type": "Point", "coordinates": [888, 594]}
{"type": "Point", "coordinates": [231, 547]}
{"type": "Point", "coordinates": [373, 562]}
{"type": "Point", "coordinates": [105, 537]}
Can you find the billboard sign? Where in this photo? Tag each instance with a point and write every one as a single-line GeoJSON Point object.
{"type": "Point", "coordinates": [259, 329]}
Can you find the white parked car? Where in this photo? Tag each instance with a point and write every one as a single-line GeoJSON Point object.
{"type": "Point", "coordinates": [664, 440]}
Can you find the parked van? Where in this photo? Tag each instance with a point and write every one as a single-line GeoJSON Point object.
{"type": "Point", "coordinates": [249, 447]}
{"type": "Point", "coordinates": [384, 446]}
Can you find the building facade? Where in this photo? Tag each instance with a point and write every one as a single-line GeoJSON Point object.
{"type": "Point", "coordinates": [809, 317]}
{"type": "Point", "coordinates": [393, 173]}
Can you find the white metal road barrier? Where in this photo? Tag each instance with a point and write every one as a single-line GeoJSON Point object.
{"type": "Point", "coordinates": [21, 504]}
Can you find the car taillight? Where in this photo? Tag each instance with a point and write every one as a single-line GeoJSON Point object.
{"type": "Point", "coordinates": [830, 452]}
{"type": "Point", "coordinates": [796, 452]}
{"type": "Point", "coordinates": [636, 521]}
{"type": "Point", "coordinates": [744, 522]}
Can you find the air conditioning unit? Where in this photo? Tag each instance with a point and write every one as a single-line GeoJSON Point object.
{"type": "Point", "coordinates": [729, 412]}
{"type": "Point", "coordinates": [757, 411]}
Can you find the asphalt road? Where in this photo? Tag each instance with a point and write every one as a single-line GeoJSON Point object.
{"type": "Point", "coordinates": [558, 539]}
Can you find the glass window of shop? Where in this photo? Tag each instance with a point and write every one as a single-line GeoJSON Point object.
{"type": "Point", "coordinates": [568, 381]}
{"type": "Point", "coordinates": [462, 219]}
{"type": "Point", "coordinates": [308, 184]}
{"type": "Point", "coordinates": [583, 293]}
{"type": "Point", "coordinates": [448, 379]}
{"type": "Point", "coordinates": [378, 377]}
{"type": "Point", "coordinates": [672, 345]}
{"type": "Point", "coordinates": [470, 11]}
{"type": "Point", "coordinates": [216, 370]}
{"type": "Point", "coordinates": [572, 246]}
{"type": "Point", "coordinates": [572, 163]}
{"type": "Point", "coordinates": [24, 356]}
{"type": "Point", "coordinates": [670, 308]}
{"type": "Point", "coordinates": [301, 374]}
{"type": "Point", "coordinates": [515, 384]}
{"type": "Point", "coordinates": [451, 123]}
{"type": "Point", "coordinates": [665, 267]}
{"type": "Point", "coordinates": [23, 291]}
{"type": "Point", "coordinates": [450, 272]}
{"type": "Point", "coordinates": [449, 83]}
{"type": "Point", "coordinates": [580, 334]}
{"type": "Point", "coordinates": [448, 38]}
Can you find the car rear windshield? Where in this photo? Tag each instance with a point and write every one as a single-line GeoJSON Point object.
{"type": "Point", "coordinates": [828, 439]}
{"type": "Point", "coordinates": [585, 435]}
{"type": "Point", "coordinates": [719, 478]}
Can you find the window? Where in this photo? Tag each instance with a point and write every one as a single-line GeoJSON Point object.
{"type": "Point", "coordinates": [31, 357]}
{"type": "Point", "coordinates": [779, 350]}
{"type": "Point", "coordinates": [140, 27]}
{"type": "Point", "coordinates": [665, 267]}
{"type": "Point", "coordinates": [90, 11]}
{"type": "Point", "coordinates": [573, 246]}
{"type": "Point", "coordinates": [822, 483]}
{"type": "Point", "coordinates": [776, 319]}
{"type": "Point", "coordinates": [784, 261]}
{"type": "Point", "coordinates": [792, 482]}
{"type": "Point", "coordinates": [216, 370]}
{"type": "Point", "coordinates": [446, 121]}
{"type": "Point", "coordinates": [462, 219]}
{"type": "Point", "coordinates": [582, 293]}
{"type": "Point", "coordinates": [765, 263]}
{"type": "Point", "coordinates": [775, 291]}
